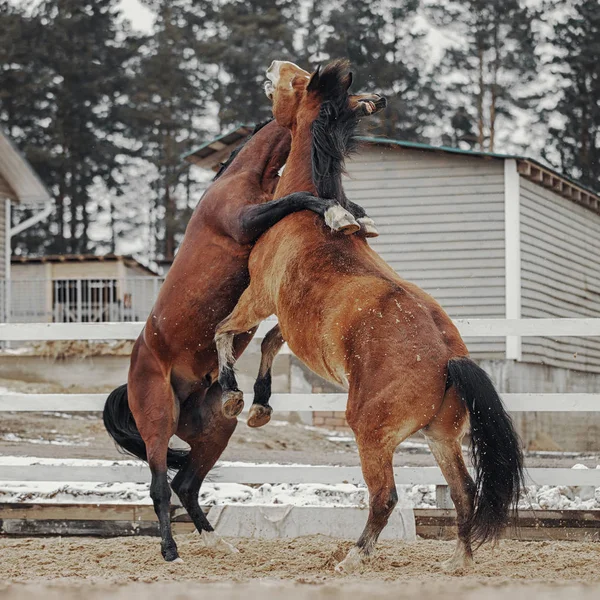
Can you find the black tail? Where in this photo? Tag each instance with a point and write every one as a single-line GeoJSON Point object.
{"type": "Point", "coordinates": [120, 424]}
{"type": "Point", "coordinates": [496, 450]}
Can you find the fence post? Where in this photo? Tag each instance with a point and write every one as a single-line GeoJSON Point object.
{"type": "Point", "coordinates": [442, 497]}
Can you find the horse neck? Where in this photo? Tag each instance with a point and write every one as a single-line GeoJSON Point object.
{"type": "Point", "coordinates": [264, 153]}
{"type": "Point", "coordinates": [297, 176]}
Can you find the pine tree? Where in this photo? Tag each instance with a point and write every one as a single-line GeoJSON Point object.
{"type": "Point", "coordinates": [67, 127]}
{"type": "Point", "coordinates": [247, 36]}
{"type": "Point", "coordinates": [577, 140]}
{"type": "Point", "coordinates": [386, 50]}
{"type": "Point", "coordinates": [495, 49]}
{"type": "Point", "coordinates": [167, 98]}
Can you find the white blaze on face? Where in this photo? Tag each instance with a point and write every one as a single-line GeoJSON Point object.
{"type": "Point", "coordinates": [274, 74]}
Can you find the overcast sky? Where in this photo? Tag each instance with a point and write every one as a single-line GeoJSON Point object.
{"type": "Point", "coordinates": [141, 18]}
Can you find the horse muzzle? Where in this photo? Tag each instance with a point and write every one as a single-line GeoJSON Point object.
{"type": "Point", "coordinates": [369, 105]}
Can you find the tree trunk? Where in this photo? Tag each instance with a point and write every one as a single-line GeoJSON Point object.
{"type": "Point", "coordinates": [494, 89]}
{"type": "Point", "coordinates": [113, 233]}
{"type": "Point", "coordinates": [169, 224]}
{"type": "Point", "coordinates": [480, 123]}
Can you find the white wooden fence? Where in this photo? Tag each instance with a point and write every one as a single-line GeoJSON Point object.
{"type": "Point", "coordinates": [285, 402]}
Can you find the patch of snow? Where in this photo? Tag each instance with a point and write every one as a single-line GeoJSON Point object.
{"type": "Point", "coordinates": [58, 441]}
{"type": "Point", "coordinates": [215, 493]}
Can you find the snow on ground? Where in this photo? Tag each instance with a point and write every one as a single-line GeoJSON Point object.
{"type": "Point", "coordinates": [215, 493]}
{"type": "Point", "coordinates": [59, 440]}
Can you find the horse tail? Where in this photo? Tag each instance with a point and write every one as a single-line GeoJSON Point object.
{"type": "Point", "coordinates": [495, 448]}
{"type": "Point", "coordinates": [121, 426]}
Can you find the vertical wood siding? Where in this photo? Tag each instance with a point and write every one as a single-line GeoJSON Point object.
{"type": "Point", "coordinates": [560, 266]}
{"type": "Point", "coordinates": [441, 220]}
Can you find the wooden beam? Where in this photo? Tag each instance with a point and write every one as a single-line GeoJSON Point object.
{"type": "Point", "coordinates": [110, 521]}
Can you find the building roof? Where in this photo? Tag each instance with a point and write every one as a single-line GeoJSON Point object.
{"type": "Point", "coordinates": [210, 154]}
{"type": "Point", "coordinates": [128, 260]}
{"type": "Point", "coordinates": [529, 168]}
{"type": "Point", "coordinates": [26, 186]}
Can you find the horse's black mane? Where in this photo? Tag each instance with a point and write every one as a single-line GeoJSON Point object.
{"type": "Point", "coordinates": [333, 132]}
{"type": "Point", "coordinates": [230, 159]}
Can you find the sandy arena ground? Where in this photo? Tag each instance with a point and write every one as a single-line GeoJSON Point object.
{"type": "Point", "coordinates": [128, 567]}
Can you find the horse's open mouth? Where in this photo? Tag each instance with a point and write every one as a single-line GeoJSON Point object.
{"type": "Point", "coordinates": [269, 89]}
{"type": "Point", "coordinates": [373, 105]}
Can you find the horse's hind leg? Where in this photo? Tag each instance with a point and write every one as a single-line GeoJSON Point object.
{"type": "Point", "coordinates": [260, 412]}
{"type": "Point", "coordinates": [380, 421]}
{"type": "Point", "coordinates": [444, 434]}
{"type": "Point", "coordinates": [376, 440]}
{"type": "Point", "coordinates": [207, 431]}
{"type": "Point", "coordinates": [248, 313]}
{"type": "Point", "coordinates": [156, 412]}
{"type": "Point", "coordinates": [376, 461]}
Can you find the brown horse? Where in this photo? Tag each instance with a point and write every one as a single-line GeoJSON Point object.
{"type": "Point", "coordinates": [171, 386]}
{"type": "Point", "coordinates": [347, 315]}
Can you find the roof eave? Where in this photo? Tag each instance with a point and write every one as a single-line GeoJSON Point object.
{"type": "Point", "coordinates": [23, 180]}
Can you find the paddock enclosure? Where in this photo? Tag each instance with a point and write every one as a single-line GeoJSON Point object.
{"type": "Point", "coordinates": [259, 473]}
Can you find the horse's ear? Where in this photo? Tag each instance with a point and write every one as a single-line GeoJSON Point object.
{"type": "Point", "coordinates": [348, 80]}
{"type": "Point", "coordinates": [315, 78]}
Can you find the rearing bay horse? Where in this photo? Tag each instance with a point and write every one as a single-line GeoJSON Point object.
{"type": "Point", "coordinates": [172, 386]}
{"type": "Point", "coordinates": [348, 316]}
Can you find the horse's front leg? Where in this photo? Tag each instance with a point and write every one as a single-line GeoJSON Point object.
{"type": "Point", "coordinates": [260, 412]}
{"type": "Point", "coordinates": [248, 313]}
{"type": "Point", "coordinates": [254, 220]}
{"type": "Point", "coordinates": [367, 225]}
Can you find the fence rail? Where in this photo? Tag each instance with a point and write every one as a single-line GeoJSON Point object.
{"type": "Point", "coordinates": [259, 474]}
{"type": "Point", "coordinates": [291, 402]}
{"type": "Point", "coordinates": [515, 402]}
{"type": "Point", "coordinates": [467, 328]}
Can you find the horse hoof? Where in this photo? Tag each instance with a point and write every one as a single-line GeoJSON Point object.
{"type": "Point", "coordinates": [353, 561]}
{"type": "Point", "coordinates": [259, 415]}
{"type": "Point", "coordinates": [177, 561]}
{"type": "Point", "coordinates": [367, 226]}
{"type": "Point", "coordinates": [339, 219]}
{"type": "Point", "coordinates": [456, 564]}
{"type": "Point", "coordinates": [233, 403]}
{"type": "Point", "coordinates": [212, 540]}
{"type": "Point", "coordinates": [171, 556]}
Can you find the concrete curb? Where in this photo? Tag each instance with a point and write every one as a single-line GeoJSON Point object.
{"type": "Point", "coordinates": [286, 521]}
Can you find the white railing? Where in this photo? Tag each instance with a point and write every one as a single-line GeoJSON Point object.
{"type": "Point", "coordinates": [77, 300]}
{"type": "Point", "coordinates": [292, 402]}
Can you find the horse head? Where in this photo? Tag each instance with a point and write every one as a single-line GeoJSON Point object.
{"type": "Point", "coordinates": [298, 95]}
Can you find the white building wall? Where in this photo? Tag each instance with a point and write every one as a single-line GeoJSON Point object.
{"type": "Point", "coordinates": [441, 220]}
{"type": "Point", "coordinates": [560, 266]}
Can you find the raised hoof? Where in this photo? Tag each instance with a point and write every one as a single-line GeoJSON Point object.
{"type": "Point", "coordinates": [259, 415]}
{"type": "Point", "coordinates": [233, 403]}
{"type": "Point", "coordinates": [367, 226]}
{"type": "Point", "coordinates": [339, 219]}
